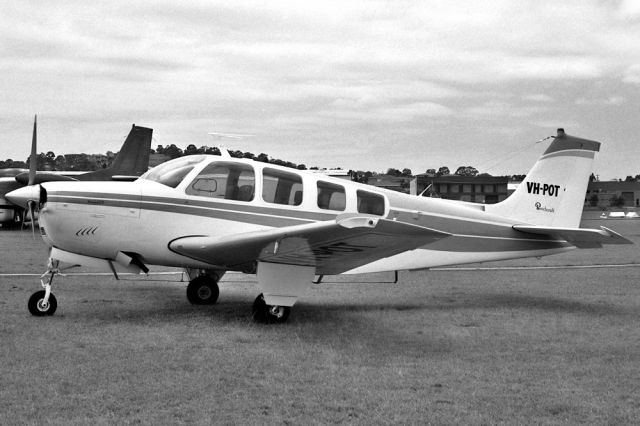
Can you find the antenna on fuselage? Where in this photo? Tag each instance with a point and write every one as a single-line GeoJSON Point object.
{"type": "Point", "coordinates": [425, 190]}
{"type": "Point", "coordinates": [217, 136]}
{"type": "Point", "coordinates": [432, 192]}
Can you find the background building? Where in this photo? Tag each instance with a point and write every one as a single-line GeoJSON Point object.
{"type": "Point", "coordinates": [476, 189]}
{"type": "Point", "coordinates": [604, 194]}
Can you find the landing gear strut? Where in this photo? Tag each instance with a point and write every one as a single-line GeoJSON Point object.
{"type": "Point", "coordinates": [203, 290]}
{"type": "Point", "coordinates": [269, 314]}
{"type": "Point", "coordinates": [17, 217]}
{"type": "Point", "coordinates": [43, 302]}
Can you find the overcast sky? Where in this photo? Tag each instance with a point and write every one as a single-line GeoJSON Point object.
{"type": "Point", "coordinates": [354, 84]}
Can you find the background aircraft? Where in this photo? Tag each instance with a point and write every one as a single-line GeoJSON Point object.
{"type": "Point", "coordinates": [131, 162]}
{"type": "Point", "coordinates": [211, 214]}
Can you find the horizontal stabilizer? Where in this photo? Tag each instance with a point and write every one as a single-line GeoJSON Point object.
{"type": "Point", "coordinates": [579, 237]}
{"type": "Point", "coordinates": [332, 247]}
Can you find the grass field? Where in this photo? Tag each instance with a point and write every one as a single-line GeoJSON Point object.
{"type": "Point", "coordinates": [521, 346]}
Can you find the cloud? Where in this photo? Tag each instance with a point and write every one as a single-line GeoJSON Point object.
{"type": "Point", "coordinates": [539, 97]}
{"type": "Point", "coordinates": [609, 101]}
{"type": "Point", "coordinates": [632, 74]}
{"type": "Point", "coordinates": [335, 70]}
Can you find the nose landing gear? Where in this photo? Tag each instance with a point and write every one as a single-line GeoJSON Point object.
{"type": "Point", "coordinates": [43, 302]}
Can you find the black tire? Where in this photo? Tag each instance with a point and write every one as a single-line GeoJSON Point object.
{"type": "Point", "coordinates": [203, 290]}
{"type": "Point", "coordinates": [268, 314]}
{"type": "Point", "coordinates": [37, 308]}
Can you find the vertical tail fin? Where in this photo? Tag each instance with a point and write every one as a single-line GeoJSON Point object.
{"type": "Point", "coordinates": [552, 193]}
{"type": "Point", "coordinates": [133, 158]}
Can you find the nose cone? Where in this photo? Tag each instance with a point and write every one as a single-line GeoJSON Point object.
{"type": "Point", "coordinates": [22, 196]}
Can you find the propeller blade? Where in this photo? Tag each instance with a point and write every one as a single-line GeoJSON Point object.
{"type": "Point", "coordinates": [32, 208]}
{"type": "Point", "coordinates": [33, 160]}
{"type": "Point", "coordinates": [24, 218]}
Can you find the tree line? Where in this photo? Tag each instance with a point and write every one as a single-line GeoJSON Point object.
{"type": "Point", "coordinates": [92, 162]}
{"type": "Point", "coordinates": [86, 162]}
{"type": "Point", "coordinates": [68, 162]}
{"type": "Point", "coordinates": [172, 151]}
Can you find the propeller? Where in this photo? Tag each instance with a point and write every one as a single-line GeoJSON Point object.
{"type": "Point", "coordinates": [33, 165]}
{"type": "Point", "coordinates": [32, 210]}
{"type": "Point", "coordinates": [33, 160]}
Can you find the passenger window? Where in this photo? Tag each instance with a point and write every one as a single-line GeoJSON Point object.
{"type": "Point", "coordinates": [230, 181]}
{"type": "Point", "coordinates": [280, 187]}
{"type": "Point", "coordinates": [331, 196]}
{"type": "Point", "coordinates": [370, 203]}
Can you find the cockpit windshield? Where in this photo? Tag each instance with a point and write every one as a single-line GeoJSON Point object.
{"type": "Point", "coordinates": [172, 172]}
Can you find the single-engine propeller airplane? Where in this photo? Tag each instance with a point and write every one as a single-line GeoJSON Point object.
{"type": "Point", "coordinates": [212, 214]}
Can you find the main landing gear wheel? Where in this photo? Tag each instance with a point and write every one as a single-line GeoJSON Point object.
{"type": "Point", "coordinates": [38, 307]}
{"type": "Point", "coordinates": [203, 290]}
{"type": "Point", "coordinates": [269, 314]}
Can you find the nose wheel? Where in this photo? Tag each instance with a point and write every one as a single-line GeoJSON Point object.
{"type": "Point", "coordinates": [41, 306]}
{"type": "Point", "coordinates": [43, 302]}
{"type": "Point", "coordinates": [269, 314]}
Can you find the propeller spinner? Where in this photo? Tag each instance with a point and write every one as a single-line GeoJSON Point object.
{"type": "Point", "coordinates": [25, 195]}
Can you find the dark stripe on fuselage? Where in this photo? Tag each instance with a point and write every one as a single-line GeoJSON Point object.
{"type": "Point", "coordinates": [258, 215]}
{"type": "Point", "coordinates": [477, 236]}
{"type": "Point", "coordinates": [139, 201]}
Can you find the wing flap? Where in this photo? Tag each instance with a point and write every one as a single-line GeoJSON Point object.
{"type": "Point", "coordinates": [579, 237]}
{"type": "Point", "coordinates": [331, 247]}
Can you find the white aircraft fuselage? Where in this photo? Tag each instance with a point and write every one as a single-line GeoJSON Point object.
{"type": "Point", "coordinates": [211, 214]}
{"type": "Point", "coordinates": [100, 219]}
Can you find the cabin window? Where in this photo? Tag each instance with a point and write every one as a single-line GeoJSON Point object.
{"type": "Point", "coordinates": [331, 196]}
{"type": "Point", "coordinates": [229, 181]}
{"type": "Point", "coordinates": [281, 187]}
{"type": "Point", "coordinates": [173, 172]}
{"type": "Point", "coordinates": [370, 203]}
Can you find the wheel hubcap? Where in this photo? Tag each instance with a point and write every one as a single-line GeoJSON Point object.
{"type": "Point", "coordinates": [277, 311]}
{"type": "Point", "coordinates": [204, 292]}
{"type": "Point", "coordinates": [42, 306]}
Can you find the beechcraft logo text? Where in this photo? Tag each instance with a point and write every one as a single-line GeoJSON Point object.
{"type": "Point", "coordinates": [538, 188]}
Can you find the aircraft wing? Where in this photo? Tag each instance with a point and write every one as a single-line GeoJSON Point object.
{"type": "Point", "coordinates": [332, 246]}
{"type": "Point", "coordinates": [42, 177]}
{"type": "Point", "coordinates": [579, 237]}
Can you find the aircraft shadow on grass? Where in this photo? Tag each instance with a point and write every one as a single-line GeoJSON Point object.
{"type": "Point", "coordinates": [170, 305]}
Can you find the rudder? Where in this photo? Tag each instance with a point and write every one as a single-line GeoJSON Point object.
{"type": "Point", "coordinates": [552, 193]}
